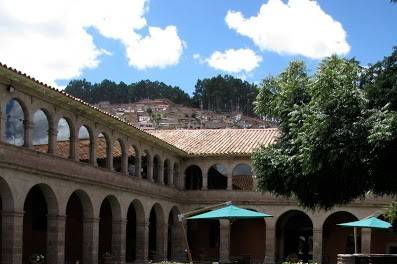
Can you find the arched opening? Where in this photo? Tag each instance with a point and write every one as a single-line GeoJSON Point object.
{"type": "Point", "coordinates": [145, 164]}
{"type": "Point", "coordinates": [167, 169]}
{"type": "Point", "coordinates": [105, 229]}
{"type": "Point", "coordinates": [248, 240]}
{"type": "Point", "coordinates": [101, 151]}
{"type": "Point", "coordinates": [130, 253]}
{"type": "Point", "coordinates": [74, 230]}
{"type": "Point", "coordinates": [242, 178]}
{"type": "Point", "coordinates": [6, 204]}
{"type": "Point", "coordinates": [176, 174]}
{"type": "Point", "coordinates": [15, 119]}
{"type": "Point", "coordinates": [156, 233]}
{"type": "Point", "coordinates": [35, 224]}
{"type": "Point", "coordinates": [156, 168]}
{"type": "Point", "coordinates": [217, 177]}
{"type": "Point", "coordinates": [294, 232]}
{"type": "Point", "coordinates": [203, 239]}
{"type": "Point", "coordinates": [383, 240]}
{"type": "Point", "coordinates": [63, 139]}
{"type": "Point", "coordinates": [40, 131]}
{"type": "Point", "coordinates": [117, 153]}
{"type": "Point", "coordinates": [84, 144]}
{"type": "Point", "coordinates": [337, 239]}
{"type": "Point", "coordinates": [133, 168]}
{"type": "Point", "coordinates": [193, 178]}
{"type": "Point", "coordinates": [175, 246]}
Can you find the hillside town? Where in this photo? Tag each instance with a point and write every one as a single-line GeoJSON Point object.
{"type": "Point", "coordinates": [150, 114]}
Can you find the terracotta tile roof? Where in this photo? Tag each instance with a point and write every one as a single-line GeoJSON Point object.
{"type": "Point", "coordinates": [243, 182]}
{"type": "Point", "coordinates": [214, 142]}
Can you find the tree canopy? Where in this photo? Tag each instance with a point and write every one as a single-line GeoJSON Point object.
{"type": "Point", "coordinates": [338, 132]}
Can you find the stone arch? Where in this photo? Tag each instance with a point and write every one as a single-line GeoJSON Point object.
{"type": "Point", "coordinates": [167, 172]}
{"type": "Point", "coordinates": [17, 117]}
{"type": "Point", "coordinates": [146, 163]}
{"type": "Point", "coordinates": [294, 233]}
{"type": "Point", "coordinates": [109, 215]}
{"type": "Point", "coordinates": [118, 155]}
{"type": "Point", "coordinates": [156, 243]}
{"type": "Point", "coordinates": [84, 144]}
{"type": "Point", "coordinates": [78, 209]}
{"type": "Point", "coordinates": [6, 206]}
{"type": "Point", "coordinates": [41, 211]}
{"type": "Point", "coordinates": [134, 161]}
{"type": "Point", "coordinates": [336, 239]}
{"type": "Point", "coordinates": [41, 133]}
{"type": "Point", "coordinates": [175, 243]}
{"type": "Point", "coordinates": [103, 148]}
{"type": "Point", "coordinates": [193, 178]}
{"type": "Point", "coordinates": [65, 133]}
{"type": "Point", "coordinates": [242, 177]}
{"type": "Point", "coordinates": [217, 177]}
{"type": "Point", "coordinates": [156, 168]}
{"type": "Point", "coordinates": [134, 232]}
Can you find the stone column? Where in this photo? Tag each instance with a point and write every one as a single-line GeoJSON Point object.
{"type": "Point", "coordinates": [178, 243]}
{"type": "Point", "coordinates": [205, 178]}
{"type": "Point", "coordinates": [317, 245]}
{"type": "Point", "coordinates": [2, 127]}
{"type": "Point", "coordinates": [28, 127]}
{"type": "Point", "coordinates": [138, 166]}
{"type": "Point", "coordinates": [171, 175]}
{"type": "Point", "coordinates": [124, 163]}
{"type": "Point", "coordinates": [270, 255]}
{"type": "Point", "coordinates": [74, 148]}
{"type": "Point", "coordinates": [52, 139]}
{"type": "Point", "coordinates": [142, 240]}
{"type": "Point", "coordinates": [149, 161]}
{"type": "Point", "coordinates": [365, 241]}
{"type": "Point", "coordinates": [161, 171]}
{"type": "Point", "coordinates": [224, 241]}
{"type": "Point", "coordinates": [56, 238]}
{"type": "Point", "coordinates": [92, 152]}
{"type": "Point", "coordinates": [109, 155]}
{"type": "Point", "coordinates": [119, 228]}
{"type": "Point", "coordinates": [12, 237]}
{"type": "Point", "coordinates": [90, 240]}
{"type": "Point", "coordinates": [229, 181]}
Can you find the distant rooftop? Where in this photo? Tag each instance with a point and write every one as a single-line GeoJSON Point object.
{"type": "Point", "coordinates": [218, 142]}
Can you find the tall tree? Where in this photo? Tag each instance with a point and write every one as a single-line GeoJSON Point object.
{"type": "Point", "coordinates": [333, 137]}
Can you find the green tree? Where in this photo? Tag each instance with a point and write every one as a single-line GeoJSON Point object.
{"type": "Point", "coordinates": [333, 138]}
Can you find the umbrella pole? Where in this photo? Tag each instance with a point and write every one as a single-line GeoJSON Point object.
{"type": "Point", "coordinates": [189, 255]}
{"type": "Point", "coordinates": [355, 240]}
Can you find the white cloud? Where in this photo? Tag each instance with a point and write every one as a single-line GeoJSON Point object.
{"type": "Point", "coordinates": [234, 61]}
{"type": "Point", "coordinates": [297, 27]}
{"type": "Point", "coordinates": [48, 38]}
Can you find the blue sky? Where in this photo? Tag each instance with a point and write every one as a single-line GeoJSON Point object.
{"type": "Point", "coordinates": [117, 43]}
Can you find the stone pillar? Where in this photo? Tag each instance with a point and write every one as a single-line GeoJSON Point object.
{"type": "Point", "coordinates": [177, 243]}
{"type": "Point", "coordinates": [2, 127]}
{"type": "Point", "coordinates": [12, 237]}
{"type": "Point", "coordinates": [142, 241]}
{"type": "Point", "coordinates": [224, 241]}
{"type": "Point", "coordinates": [52, 139]}
{"type": "Point", "coordinates": [270, 255]}
{"type": "Point", "coordinates": [229, 181]}
{"type": "Point", "coordinates": [171, 175]}
{"type": "Point", "coordinates": [109, 155]}
{"type": "Point", "coordinates": [318, 245]}
{"type": "Point", "coordinates": [119, 228]}
{"type": "Point", "coordinates": [74, 148]}
{"type": "Point", "coordinates": [92, 151]}
{"type": "Point", "coordinates": [124, 162]}
{"type": "Point", "coordinates": [365, 241]}
{"type": "Point", "coordinates": [90, 240]}
{"type": "Point", "coordinates": [149, 161]}
{"type": "Point", "coordinates": [28, 127]}
{"type": "Point", "coordinates": [161, 171]}
{"type": "Point", "coordinates": [161, 243]}
{"type": "Point", "coordinates": [56, 238]}
{"type": "Point", "coordinates": [138, 165]}
{"type": "Point", "coordinates": [205, 178]}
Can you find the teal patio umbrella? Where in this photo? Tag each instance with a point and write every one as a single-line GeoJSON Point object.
{"type": "Point", "coordinates": [369, 222]}
{"type": "Point", "coordinates": [230, 212]}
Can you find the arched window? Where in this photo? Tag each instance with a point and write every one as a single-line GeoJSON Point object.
{"type": "Point", "coordinates": [40, 131]}
{"type": "Point", "coordinates": [84, 144]}
{"type": "Point", "coordinates": [193, 178]}
{"type": "Point", "coordinates": [242, 177]}
{"type": "Point", "coordinates": [176, 174]}
{"type": "Point", "coordinates": [145, 164]}
{"type": "Point", "coordinates": [63, 139]}
{"type": "Point", "coordinates": [117, 153]}
{"type": "Point", "coordinates": [133, 156]}
{"type": "Point", "coordinates": [217, 177]}
{"type": "Point", "coordinates": [15, 117]}
{"type": "Point", "coordinates": [166, 172]}
{"type": "Point", "coordinates": [156, 168]}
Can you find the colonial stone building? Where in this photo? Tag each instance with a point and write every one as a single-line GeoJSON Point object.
{"type": "Point", "coordinates": [76, 183]}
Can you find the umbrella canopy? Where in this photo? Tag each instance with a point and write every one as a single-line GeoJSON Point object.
{"type": "Point", "coordinates": [230, 212]}
{"type": "Point", "coordinates": [370, 222]}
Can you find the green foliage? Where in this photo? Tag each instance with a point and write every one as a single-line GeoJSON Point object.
{"type": "Point", "coordinates": [123, 93]}
{"type": "Point", "coordinates": [225, 94]}
{"type": "Point", "coordinates": [337, 137]}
